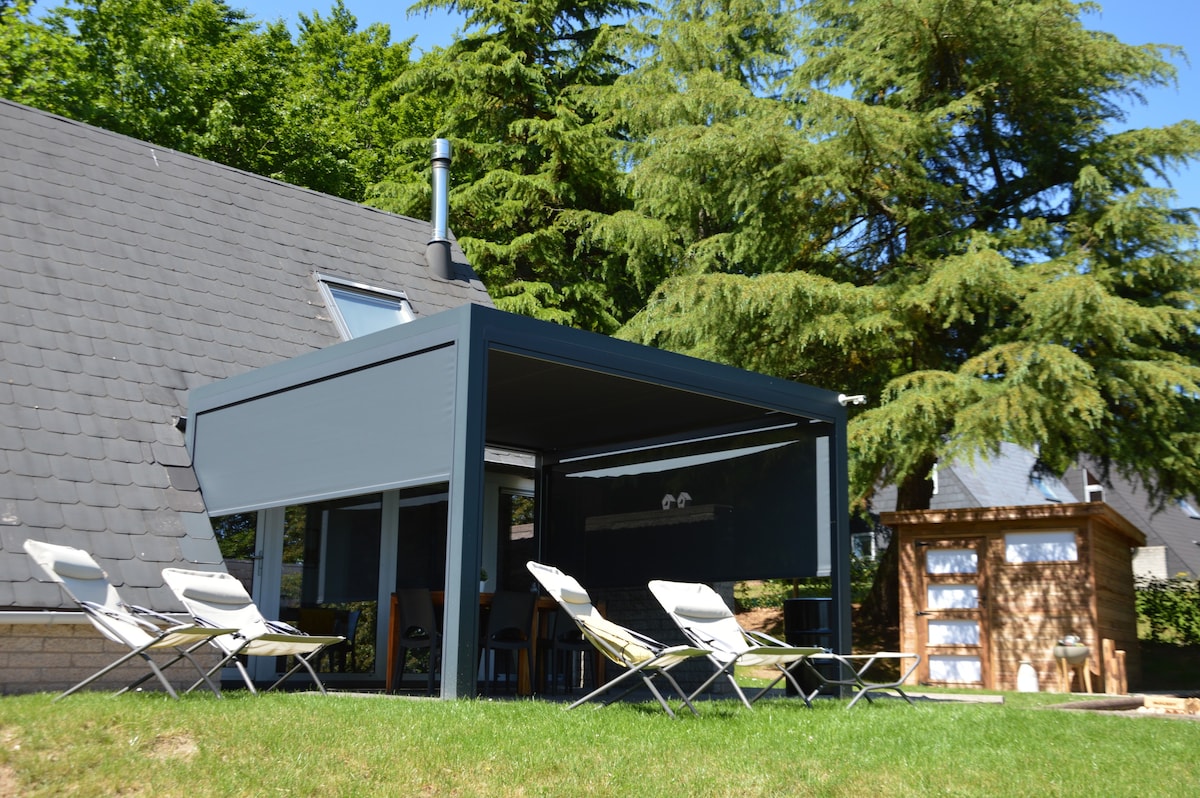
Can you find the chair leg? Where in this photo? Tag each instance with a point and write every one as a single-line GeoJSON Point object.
{"type": "Point", "coordinates": [111, 666]}
{"type": "Point", "coordinates": [588, 663]}
{"type": "Point", "coordinates": [398, 669]}
{"type": "Point", "coordinates": [301, 661]}
{"type": "Point", "coordinates": [181, 654]}
{"type": "Point", "coordinates": [434, 656]}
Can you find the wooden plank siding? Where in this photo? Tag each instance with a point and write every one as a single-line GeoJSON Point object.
{"type": "Point", "coordinates": [1026, 607]}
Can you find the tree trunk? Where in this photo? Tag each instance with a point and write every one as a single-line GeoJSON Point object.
{"type": "Point", "coordinates": [882, 604]}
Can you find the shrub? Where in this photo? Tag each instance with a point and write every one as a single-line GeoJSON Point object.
{"type": "Point", "coordinates": [772, 592]}
{"type": "Point", "coordinates": [1169, 609]}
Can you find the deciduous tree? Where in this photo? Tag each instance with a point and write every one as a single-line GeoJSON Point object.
{"type": "Point", "coordinates": [321, 112]}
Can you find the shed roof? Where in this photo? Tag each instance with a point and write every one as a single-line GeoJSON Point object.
{"type": "Point", "coordinates": [130, 274]}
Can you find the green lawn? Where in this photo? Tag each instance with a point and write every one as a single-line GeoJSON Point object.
{"type": "Point", "coordinates": [306, 744]}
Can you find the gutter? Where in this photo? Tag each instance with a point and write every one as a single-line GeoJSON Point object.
{"type": "Point", "coordinates": [60, 617]}
{"type": "Point", "coordinates": [33, 617]}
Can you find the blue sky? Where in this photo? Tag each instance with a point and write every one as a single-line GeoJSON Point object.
{"type": "Point", "coordinates": [1133, 21]}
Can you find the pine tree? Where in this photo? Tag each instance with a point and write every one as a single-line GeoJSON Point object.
{"type": "Point", "coordinates": [995, 263]}
{"type": "Point", "coordinates": [974, 248]}
{"type": "Point", "coordinates": [527, 156]}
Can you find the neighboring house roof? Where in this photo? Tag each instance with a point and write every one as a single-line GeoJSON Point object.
{"type": "Point", "coordinates": [1003, 479]}
{"type": "Point", "coordinates": [1006, 480]}
{"type": "Point", "coordinates": [1175, 527]}
{"type": "Point", "coordinates": [130, 274]}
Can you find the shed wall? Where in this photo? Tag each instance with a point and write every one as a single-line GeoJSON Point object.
{"type": "Point", "coordinates": [1029, 606]}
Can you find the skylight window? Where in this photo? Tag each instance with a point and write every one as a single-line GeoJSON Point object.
{"type": "Point", "coordinates": [1044, 487]}
{"type": "Point", "coordinates": [1188, 509]}
{"type": "Point", "coordinates": [360, 310]}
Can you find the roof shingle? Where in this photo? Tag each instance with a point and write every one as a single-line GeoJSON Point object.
{"type": "Point", "coordinates": [130, 274]}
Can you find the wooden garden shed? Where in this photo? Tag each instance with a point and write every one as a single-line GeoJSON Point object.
{"type": "Point", "coordinates": [982, 589]}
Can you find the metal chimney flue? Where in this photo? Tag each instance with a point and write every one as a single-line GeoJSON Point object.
{"type": "Point", "coordinates": [437, 253]}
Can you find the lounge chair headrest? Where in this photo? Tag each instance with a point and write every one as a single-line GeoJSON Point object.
{"type": "Point", "coordinates": [217, 591]}
{"type": "Point", "coordinates": [75, 564]}
{"type": "Point", "coordinates": [575, 595]}
{"type": "Point", "coordinates": [710, 610]}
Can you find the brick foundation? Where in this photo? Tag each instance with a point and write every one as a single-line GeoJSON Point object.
{"type": "Point", "coordinates": [53, 657]}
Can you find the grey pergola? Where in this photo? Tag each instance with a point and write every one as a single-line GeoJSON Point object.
{"type": "Point", "coordinates": [418, 403]}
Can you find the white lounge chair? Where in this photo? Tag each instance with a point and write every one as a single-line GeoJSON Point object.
{"type": "Point", "coordinates": [219, 600]}
{"type": "Point", "coordinates": [82, 578]}
{"type": "Point", "coordinates": [702, 616]}
{"type": "Point", "coordinates": [641, 656]}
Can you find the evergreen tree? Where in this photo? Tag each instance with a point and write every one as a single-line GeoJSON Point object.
{"type": "Point", "coordinates": [527, 156]}
{"type": "Point", "coordinates": [709, 146]}
{"type": "Point", "coordinates": [974, 249]}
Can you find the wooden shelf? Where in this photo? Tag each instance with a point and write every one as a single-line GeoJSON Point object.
{"type": "Point", "coordinates": [692, 514]}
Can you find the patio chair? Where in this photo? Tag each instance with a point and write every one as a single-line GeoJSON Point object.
{"type": "Point", "coordinates": [641, 656]}
{"type": "Point", "coordinates": [416, 627]}
{"type": "Point", "coordinates": [219, 600]}
{"type": "Point", "coordinates": [509, 629]}
{"type": "Point", "coordinates": [82, 578]}
{"type": "Point", "coordinates": [705, 620]}
{"type": "Point", "coordinates": [562, 650]}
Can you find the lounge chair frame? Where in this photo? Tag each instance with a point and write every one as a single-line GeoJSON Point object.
{"type": "Point", "coordinates": [855, 670]}
{"type": "Point", "coordinates": [219, 599]}
{"type": "Point", "coordinates": [642, 657]}
{"type": "Point", "coordinates": [703, 617]}
{"type": "Point", "coordinates": [86, 583]}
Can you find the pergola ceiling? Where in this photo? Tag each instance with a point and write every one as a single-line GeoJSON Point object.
{"type": "Point", "coordinates": [536, 404]}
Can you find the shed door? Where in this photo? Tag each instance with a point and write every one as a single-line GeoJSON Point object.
{"type": "Point", "coordinates": [952, 625]}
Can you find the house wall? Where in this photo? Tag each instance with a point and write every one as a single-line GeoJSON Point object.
{"type": "Point", "coordinates": [54, 657]}
{"type": "Point", "coordinates": [1151, 561]}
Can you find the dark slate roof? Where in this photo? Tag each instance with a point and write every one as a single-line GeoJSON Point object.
{"type": "Point", "coordinates": [1004, 481]}
{"type": "Point", "coordinates": [1170, 526]}
{"type": "Point", "coordinates": [999, 480]}
{"type": "Point", "coordinates": [130, 274]}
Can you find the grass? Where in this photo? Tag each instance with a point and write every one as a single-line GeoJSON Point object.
{"type": "Point", "coordinates": [305, 744]}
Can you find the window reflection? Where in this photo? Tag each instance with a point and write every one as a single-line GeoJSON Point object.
{"type": "Point", "coordinates": [330, 581]}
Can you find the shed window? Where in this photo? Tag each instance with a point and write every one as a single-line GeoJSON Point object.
{"type": "Point", "coordinates": [964, 669]}
{"type": "Point", "coordinates": [1023, 547]}
{"type": "Point", "coordinates": [360, 310]}
{"type": "Point", "coordinates": [951, 561]}
{"type": "Point", "coordinates": [954, 633]}
{"type": "Point", "coordinates": [952, 597]}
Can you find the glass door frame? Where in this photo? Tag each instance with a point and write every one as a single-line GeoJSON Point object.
{"type": "Point", "coordinates": [979, 613]}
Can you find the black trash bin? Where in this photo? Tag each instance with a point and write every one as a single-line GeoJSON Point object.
{"type": "Point", "coordinates": [807, 622]}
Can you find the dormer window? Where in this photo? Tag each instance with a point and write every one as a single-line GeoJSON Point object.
{"type": "Point", "coordinates": [359, 309]}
